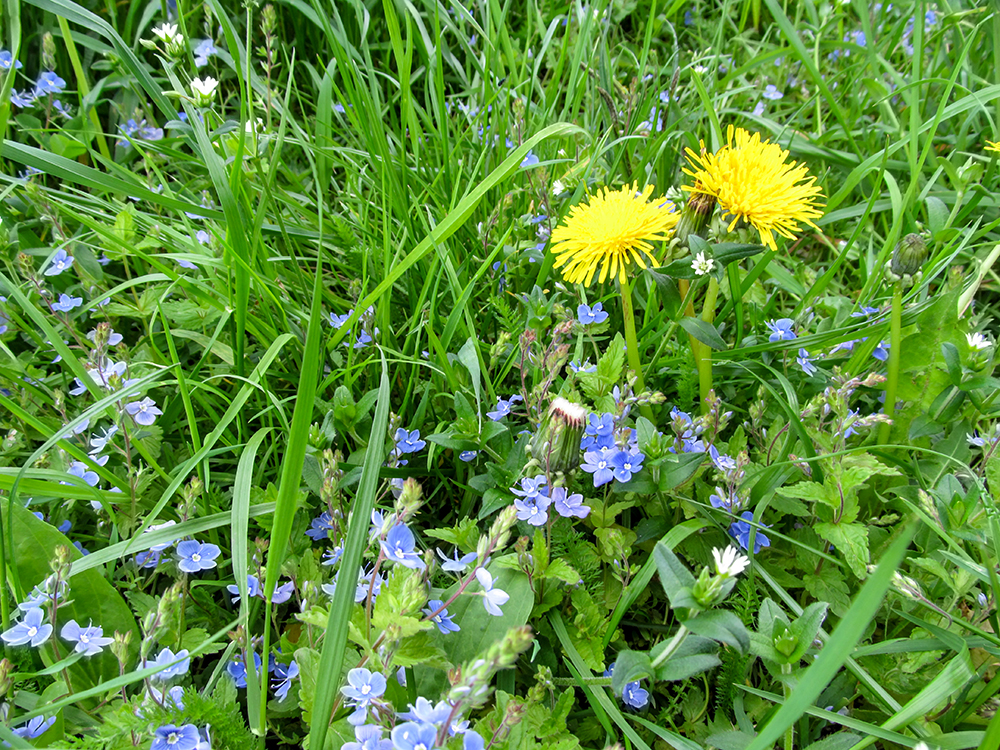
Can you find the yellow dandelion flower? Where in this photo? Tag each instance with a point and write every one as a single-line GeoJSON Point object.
{"type": "Point", "coordinates": [751, 180]}
{"type": "Point", "coordinates": [991, 146]}
{"type": "Point", "coordinates": [615, 227]}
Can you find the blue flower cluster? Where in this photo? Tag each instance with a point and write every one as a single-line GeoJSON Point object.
{"type": "Point", "coordinates": [534, 500]}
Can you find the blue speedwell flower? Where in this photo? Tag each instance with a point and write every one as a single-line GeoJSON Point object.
{"type": "Point", "coordinates": [781, 329]}
{"type": "Point", "coordinates": [144, 412]}
{"type": "Point", "coordinates": [165, 660]}
{"type": "Point", "coordinates": [598, 463]}
{"type": "Point", "coordinates": [170, 737]}
{"type": "Point", "coordinates": [89, 640]}
{"type": "Point", "coordinates": [626, 463]}
{"type": "Point", "coordinates": [283, 676]}
{"type": "Point", "coordinates": [588, 315]}
{"type": "Point", "coordinates": [49, 83]}
{"type": "Point", "coordinates": [362, 688]}
{"type": "Point", "coordinates": [740, 531]}
{"type": "Point", "coordinates": [567, 505]}
{"type": "Point", "coordinates": [503, 408]}
{"type": "Point", "coordinates": [440, 617]}
{"type": "Point", "coordinates": [7, 61]}
{"type": "Point", "coordinates": [456, 564]}
{"type": "Point", "coordinates": [409, 442]}
{"type": "Point", "coordinates": [67, 303]}
{"type": "Point", "coordinates": [369, 737]}
{"type": "Point", "coordinates": [60, 262]}
{"type": "Point", "coordinates": [534, 510]}
{"type": "Point", "coordinates": [493, 598]}
{"type": "Point", "coordinates": [413, 736]}
{"type": "Point", "coordinates": [805, 362]}
{"type": "Point", "coordinates": [35, 727]}
{"type": "Point", "coordinates": [196, 556]}
{"type": "Point", "coordinates": [31, 629]}
{"type": "Point", "coordinates": [399, 546]}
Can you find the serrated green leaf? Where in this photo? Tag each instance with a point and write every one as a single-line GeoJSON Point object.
{"type": "Point", "coordinates": [851, 540]}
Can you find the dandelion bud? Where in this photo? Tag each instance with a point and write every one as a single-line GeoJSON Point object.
{"type": "Point", "coordinates": [908, 258]}
{"type": "Point", "coordinates": [557, 442]}
{"type": "Point", "coordinates": [695, 216]}
{"type": "Point", "coordinates": [48, 51]}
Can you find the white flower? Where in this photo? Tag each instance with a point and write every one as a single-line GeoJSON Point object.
{"type": "Point", "coordinates": [922, 746]}
{"type": "Point", "coordinates": [166, 33]}
{"type": "Point", "coordinates": [729, 561]}
{"type": "Point", "coordinates": [702, 265]}
{"type": "Point", "coordinates": [978, 341]}
{"type": "Point", "coordinates": [204, 91]}
{"type": "Point", "coordinates": [558, 188]}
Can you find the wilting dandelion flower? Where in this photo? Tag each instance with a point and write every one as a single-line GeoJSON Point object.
{"type": "Point", "coordinates": [752, 181]}
{"type": "Point", "coordinates": [614, 228]}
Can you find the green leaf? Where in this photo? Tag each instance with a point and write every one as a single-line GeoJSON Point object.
{"type": "Point", "coordinates": [851, 539]}
{"type": "Point", "coordinates": [838, 741]}
{"type": "Point", "coordinates": [725, 253]}
{"type": "Point", "coordinates": [676, 578]}
{"type": "Point", "coordinates": [735, 740]}
{"type": "Point", "coordinates": [723, 626]}
{"type": "Point", "coordinates": [952, 362]}
{"type": "Point", "coordinates": [93, 599]}
{"type": "Point", "coordinates": [676, 470]}
{"type": "Point", "coordinates": [695, 655]}
{"type": "Point", "coordinates": [805, 628]}
{"type": "Point", "coordinates": [829, 586]}
{"type": "Point", "coordinates": [838, 646]}
{"type": "Point", "coordinates": [629, 667]}
{"type": "Point", "coordinates": [704, 332]}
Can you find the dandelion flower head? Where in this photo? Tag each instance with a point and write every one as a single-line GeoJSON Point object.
{"type": "Point", "coordinates": [995, 147]}
{"type": "Point", "coordinates": [752, 181]}
{"type": "Point", "coordinates": [613, 228]}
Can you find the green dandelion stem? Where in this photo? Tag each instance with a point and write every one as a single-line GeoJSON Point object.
{"type": "Point", "coordinates": [895, 334]}
{"type": "Point", "coordinates": [632, 345]}
{"type": "Point", "coordinates": [703, 354]}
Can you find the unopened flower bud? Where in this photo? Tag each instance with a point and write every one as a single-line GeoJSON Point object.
{"type": "Point", "coordinates": [48, 51]}
{"type": "Point", "coordinates": [908, 257]}
{"type": "Point", "coordinates": [695, 216]}
{"type": "Point", "coordinates": [268, 20]}
{"type": "Point", "coordinates": [5, 682]}
{"type": "Point", "coordinates": [557, 442]}
{"type": "Point", "coordinates": [500, 531]}
{"type": "Point", "coordinates": [120, 647]}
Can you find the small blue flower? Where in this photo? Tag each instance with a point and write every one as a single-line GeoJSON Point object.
{"type": "Point", "coordinates": [468, 455]}
{"type": "Point", "coordinates": [503, 408]}
{"type": "Point", "coordinates": [599, 432]}
{"type": "Point", "coordinates": [575, 366]}
{"type": "Point", "coordinates": [38, 726]}
{"type": "Point", "coordinates": [369, 737]}
{"type": "Point", "coordinates": [456, 564]}
{"type": "Point", "coordinates": [728, 501]}
{"type": "Point", "coordinates": [413, 736]}
{"type": "Point", "coordinates": [319, 526]}
{"type": "Point", "coordinates": [531, 487]}
{"type": "Point", "coordinates": [530, 160]}
{"type": "Point", "coordinates": [168, 669]}
{"type": "Point", "coordinates": [203, 51]}
{"type": "Point", "coordinates": [534, 510]}
{"type": "Point", "coordinates": [846, 346]}
{"type": "Point", "coordinates": [409, 442]}
{"type": "Point", "coordinates": [338, 320]}
{"type": "Point", "coordinates": [60, 262]}
{"type": "Point", "coordinates": [79, 469]}
{"type": "Point", "coordinates": [771, 92]}
{"type": "Point", "coordinates": [22, 98]}
{"type": "Point", "coordinates": [635, 696]}
{"type": "Point", "coordinates": [253, 588]}
{"type": "Point", "coordinates": [31, 629]}
{"type": "Point", "coordinates": [805, 362]}
{"type": "Point", "coordinates": [362, 688]}
{"type": "Point", "coordinates": [89, 641]}
{"type": "Point", "coordinates": [67, 303]}
{"type": "Point", "coordinates": [398, 546]}
{"type": "Point", "coordinates": [740, 531]}
{"type": "Point", "coordinates": [49, 83]}
{"type": "Point", "coordinates": [626, 463]}
{"type": "Point", "coordinates": [7, 61]}
{"type": "Point", "coordinates": [781, 329]}
{"type": "Point", "coordinates": [864, 312]}
{"type": "Point", "coordinates": [588, 315]}
{"type": "Point", "coordinates": [196, 556]}
{"type": "Point", "coordinates": [721, 461]}
{"type": "Point", "coordinates": [170, 737]}
{"type": "Point", "coordinates": [567, 505]}
{"type": "Point", "coordinates": [440, 617]}
{"type": "Point", "coordinates": [283, 676]}
{"type": "Point", "coordinates": [598, 463]}
{"type": "Point", "coordinates": [881, 352]}
{"type": "Point", "coordinates": [144, 412]}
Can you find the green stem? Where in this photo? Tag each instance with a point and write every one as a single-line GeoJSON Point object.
{"type": "Point", "coordinates": [895, 334]}
{"type": "Point", "coordinates": [632, 345]}
{"type": "Point", "coordinates": [703, 356]}
{"type": "Point", "coordinates": [786, 670]}
{"type": "Point", "coordinates": [671, 648]}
